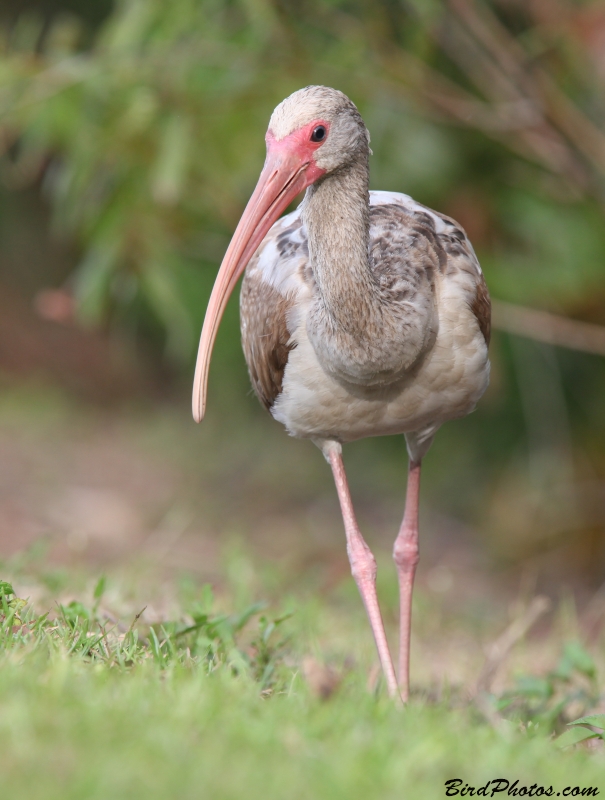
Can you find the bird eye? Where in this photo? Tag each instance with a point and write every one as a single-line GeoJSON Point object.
{"type": "Point", "coordinates": [319, 134]}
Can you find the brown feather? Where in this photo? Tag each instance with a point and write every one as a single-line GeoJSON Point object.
{"type": "Point", "coordinates": [456, 244]}
{"type": "Point", "coordinates": [265, 336]}
{"type": "Point", "coordinates": [482, 308]}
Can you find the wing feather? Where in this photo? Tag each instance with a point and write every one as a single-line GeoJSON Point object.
{"type": "Point", "coordinates": [269, 290]}
{"type": "Point", "coordinates": [457, 258]}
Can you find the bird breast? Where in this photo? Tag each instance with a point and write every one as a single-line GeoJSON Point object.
{"type": "Point", "coordinates": [321, 385]}
{"type": "Point", "coordinates": [393, 317]}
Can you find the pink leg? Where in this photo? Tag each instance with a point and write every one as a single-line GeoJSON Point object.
{"type": "Point", "coordinates": [363, 567]}
{"type": "Point", "coordinates": [405, 554]}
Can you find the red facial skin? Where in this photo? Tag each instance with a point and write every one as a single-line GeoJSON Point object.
{"type": "Point", "coordinates": [289, 168]}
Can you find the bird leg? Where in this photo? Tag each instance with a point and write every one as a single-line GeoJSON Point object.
{"type": "Point", "coordinates": [405, 555]}
{"type": "Point", "coordinates": [363, 567]}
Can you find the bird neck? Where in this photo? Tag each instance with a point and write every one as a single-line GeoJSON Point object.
{"type": "Point", "coordinates": [361, 331]}
{"type": "Point", "coordinates": [336, 214]}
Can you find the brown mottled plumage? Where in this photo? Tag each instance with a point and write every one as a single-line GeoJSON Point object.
{"type": "Point", "coordinates": [362, 314]}
{"type": "Point", "coordinates": [265, 337]}
{"type": "Point", "coordinates": [407, 255]}
{"type": "Point", "coordinates": [482, 309]}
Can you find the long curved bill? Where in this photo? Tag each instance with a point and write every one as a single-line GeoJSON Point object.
{"type": "Point", "coordinates": [283, 177]}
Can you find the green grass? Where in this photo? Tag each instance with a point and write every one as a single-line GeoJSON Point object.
{"type": "Point", "coordinates": [213, 703]}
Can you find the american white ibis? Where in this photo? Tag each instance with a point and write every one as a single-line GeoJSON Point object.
{"type": "Point", "coordinates": [362, 314]}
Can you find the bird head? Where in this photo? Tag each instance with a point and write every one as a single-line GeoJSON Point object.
{"type": "Point", "coordinates": [312, 133]}
{"type": "Point", "coordinates": [321, 125]}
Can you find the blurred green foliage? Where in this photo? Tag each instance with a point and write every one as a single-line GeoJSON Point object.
{"type": "Point", "coordinates": [143, 126]}
{"type": "Point", "coordinates": [148, 142]}
{"type": "Point", "coordinates": [547, 699]}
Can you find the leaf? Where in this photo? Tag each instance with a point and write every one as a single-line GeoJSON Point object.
{"type": "Point", "coordinates": [129, 26]}
{"type": "Point", "coordinates": [100, 588]}
{"type": "Point", "coordinates": [17, 604]}
{"type": "Point", "coordinates": [533, 686]}
{"type": "Point", "coordinates": [156, 648]}
{"type": "Point", "coordinates": [268, 631]}
{"type": "Point", "coordinates": [74, 612]}
{"type": "Point", "coordinates": [284, 617]}
{"type": "Point", "coordinates": [575, 657]}
{"type": "Point", "coordinates": [93, 281]}
{"type": "Point", "coordinates": [575, 736]}
{"type": "Point", "coordinates": [162, 292]}
{"type": "Point", "coordinates": [237, 661]}
{"type": "Point", "coordinates": [207, 596]}
{"type": "Point", "coordinates": [6, 589]}
{"type": "Point", "coordinates": [240, 620]}
{"type": "Point", "coordinates": [171, 166]}
{"type": "Point", "coordinates": [597, 720]}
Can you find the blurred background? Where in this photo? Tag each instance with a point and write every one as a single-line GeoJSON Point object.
{"type": "Point", "coordinates": [131, 135]}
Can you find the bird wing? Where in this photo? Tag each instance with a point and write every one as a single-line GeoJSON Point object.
{"type": "Point", "coordinates": [272, 281]}
{"type": "Point", "coordinates": [427, 239]}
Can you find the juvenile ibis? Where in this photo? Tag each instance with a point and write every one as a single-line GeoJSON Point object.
{"type": "Point", "coordinates": [362, 314]}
